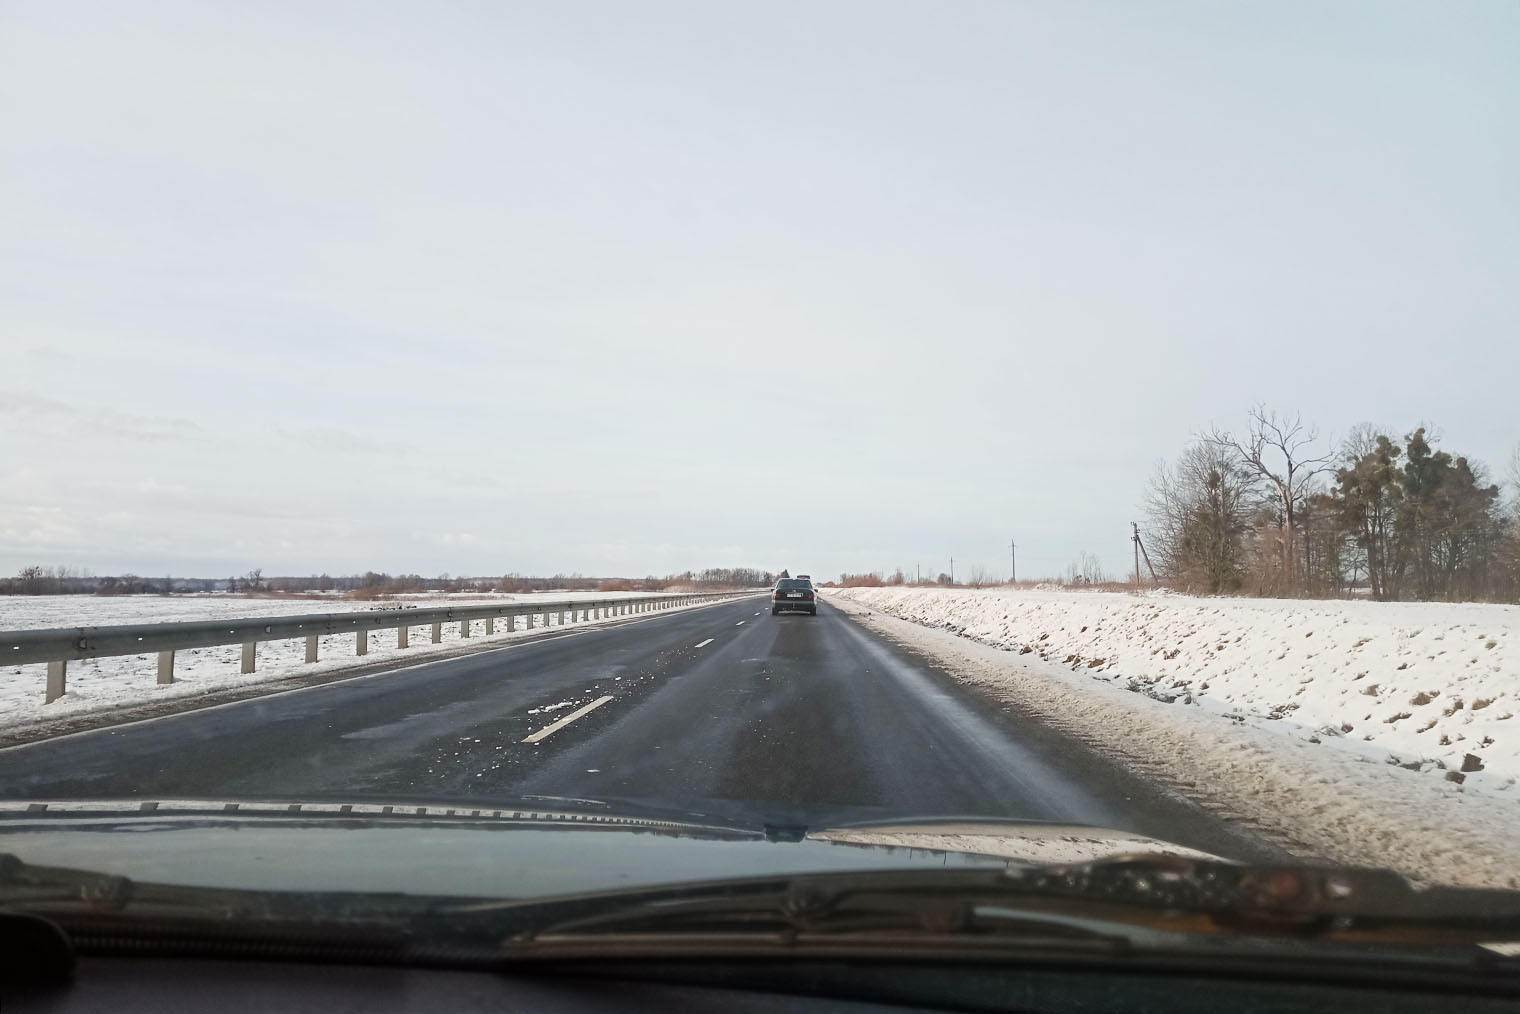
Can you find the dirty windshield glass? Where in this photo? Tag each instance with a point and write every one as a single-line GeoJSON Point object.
{"type": "Point", "coordinates": [811, 436]}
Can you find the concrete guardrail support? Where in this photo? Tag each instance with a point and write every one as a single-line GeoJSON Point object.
{"type": "Point", "coordinates": [464, 628]}
{"type": "Point", "coordinates": [56, 679]}
{"type": "Point", "coordinates": [401, 636]}
{"type": "Point", "coordinates": [511, 623]}
{"type": "Point", "coordinates": [490, 625]}
{"type": "Point", "coordinates": [361, 642]}
{"type": "Point", "coordinates": [166, 666]}
{"type": "Point", "coordinates": [437, 631]}
{"type": "Point", "coordinates": [311, 648]}
{"type": "Point", "coordinates": [249, 648]}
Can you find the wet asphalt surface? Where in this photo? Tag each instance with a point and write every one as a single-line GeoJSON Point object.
{"type": "Point", "coordinates": [790, 719]}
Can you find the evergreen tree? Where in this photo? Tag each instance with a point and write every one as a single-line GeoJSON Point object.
{"type": "Point", "coordinates": [1369, 496]}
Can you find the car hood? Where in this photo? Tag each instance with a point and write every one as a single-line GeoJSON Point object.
{"type": "Point", "coordinates": [530, 849]}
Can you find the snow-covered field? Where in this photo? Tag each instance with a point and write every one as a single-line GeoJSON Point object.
{"type": "Point", "coordinates": [1382, 733]}
{"type": "Point", "coordinates": [103, 684]}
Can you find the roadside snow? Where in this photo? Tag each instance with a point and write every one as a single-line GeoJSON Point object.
{"type": "Point", "coordinates": [1241, 705]}
{"type": "Point", "coordinates": [105, 684]}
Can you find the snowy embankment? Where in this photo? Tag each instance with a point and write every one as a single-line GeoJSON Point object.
{"type": "Point", "coordinates": [1382, 733]}
{"type": "Point", "coordinates": [106, 684]}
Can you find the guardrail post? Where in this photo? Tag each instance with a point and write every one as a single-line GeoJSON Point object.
{"type": "Point", "coordinates": [249, 647]}
{"type": "Point", "coordinates": [311, 647]}
{"type": "Point", "coordinates": [166, 666]}
{"type": "Point", "coordinates": [562, 617]}
{"type": "Point", "coordinates": [490, 625]}
{"type": "Point", "coordinates": [361, 642]}
{"type": "Point", "coordinates": [402, 633]}
{"type": "Point", "coordinates": [511, 623]}
{"type": "Point", "coordinates": [437, 631]}
{"type": "Point", "coordinates": [530, 617]}
{"type": "Point", "coordinates": [57, 674]}
{"type": "Point", "coordinates": [464, 628]}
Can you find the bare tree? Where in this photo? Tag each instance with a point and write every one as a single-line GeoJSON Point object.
{"type": "Point", "coordinates": [1361, 440]}
{"type": "Point", "coordinates": [1196, 515]}
{"type": "Point", "coordinates": [1278, 452]}
{"type": "Point", "coordinates": [1086, 569]}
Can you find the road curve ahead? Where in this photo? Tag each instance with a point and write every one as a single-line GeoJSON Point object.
{"type": "Point", "coordinates": [726, 709]}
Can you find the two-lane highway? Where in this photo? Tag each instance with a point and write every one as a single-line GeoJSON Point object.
{"type": "Point", "coordinates": [725, 710]}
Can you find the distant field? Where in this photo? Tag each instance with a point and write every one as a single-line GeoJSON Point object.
{"type": "Point", "coordinates": [28, 612]}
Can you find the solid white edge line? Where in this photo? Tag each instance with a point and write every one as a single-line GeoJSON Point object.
{"type": "Point", "coordinates": [579, 712]}
{"type": "Point", "coordinates": [705, 643]}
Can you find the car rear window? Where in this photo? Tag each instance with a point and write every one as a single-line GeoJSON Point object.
{"type": "Point", "coordinates": [792, 583]}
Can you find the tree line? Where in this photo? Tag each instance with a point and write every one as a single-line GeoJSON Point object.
{"type": "Point", "coordinates": [1274, 511]}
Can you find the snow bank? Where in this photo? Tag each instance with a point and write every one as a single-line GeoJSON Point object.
{"type": "Point", "coordinates": [1330, 797]}
{"type": "Point", "coordinates": [104, 684]}
{"type": "Point", "coordinates": [1435, 686]}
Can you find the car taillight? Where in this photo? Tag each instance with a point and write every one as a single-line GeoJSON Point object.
{"type": "Point", "coordinates": [807, 595]}
{"type": "Point", "coordinates": [778, 595]}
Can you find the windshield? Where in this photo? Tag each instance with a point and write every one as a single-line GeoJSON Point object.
{"type": "Point", "coordinates": [830, 435]}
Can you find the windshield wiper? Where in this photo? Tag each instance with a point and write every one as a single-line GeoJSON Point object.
{"type": "Point", "coordinates": [1114, 907]}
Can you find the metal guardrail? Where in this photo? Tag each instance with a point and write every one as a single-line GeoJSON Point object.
{"type": "Point", "coordinates": [58, 646]}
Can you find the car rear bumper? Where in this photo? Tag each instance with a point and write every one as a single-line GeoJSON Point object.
{"type": "Point", "coordinates": [795, 605]}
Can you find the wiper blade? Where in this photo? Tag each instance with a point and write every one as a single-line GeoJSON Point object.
{"type": "Point", "coordinates": [1133, 901]}
{"type": "Point", "coordinates": [1149, 904]}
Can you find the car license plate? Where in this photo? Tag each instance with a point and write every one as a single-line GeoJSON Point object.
{"type": "Point", "coordinates": [794, 595]}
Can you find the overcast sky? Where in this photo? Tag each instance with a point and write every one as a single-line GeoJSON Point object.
{"type": "Point", "coordinates": [635, 287]}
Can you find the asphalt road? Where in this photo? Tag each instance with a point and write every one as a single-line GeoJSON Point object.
{"type": "Point", "coordinates": [724, 710]}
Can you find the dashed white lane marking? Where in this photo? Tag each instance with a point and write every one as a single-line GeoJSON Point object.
{"type": "Point", "coordinates": [705, 643]}
{"type": "Point", "coordinates": [739, 624]}
{"type": "Point", "coordinates": [577, 713]}
{"type": "Point", "coordinates": [757, 614]}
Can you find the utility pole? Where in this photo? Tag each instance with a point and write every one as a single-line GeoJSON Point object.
{"type": "Point", "coordinates": [1013, 562]}
{"type": "Point", "coordinates": [918, 574]}
{"type": "Point", "coordinates": [952, 570]}
{"type": "Point", "coordinates": [1136, 538]}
